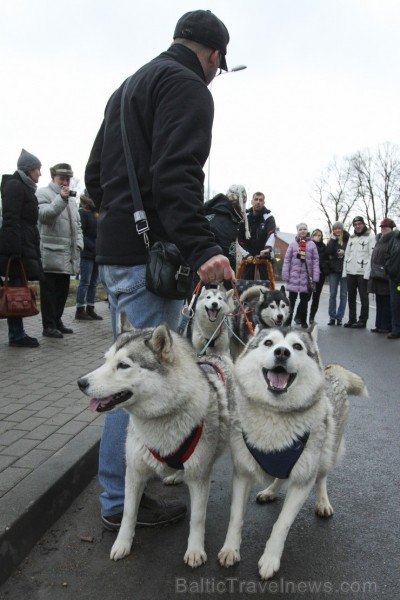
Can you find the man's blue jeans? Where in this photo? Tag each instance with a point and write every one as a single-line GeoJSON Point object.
{"type": "Point", "coordinates": [336, 280]}
{"type": "Point", "coordinates": [88, 278]}
{"type": "Point", "coordinates": [126, 291]}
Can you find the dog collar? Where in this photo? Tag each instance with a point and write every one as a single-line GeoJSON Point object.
{"type": "Point", "coordinates": [176, 459]}
{"type": "Point", "coordinates": [279, 463]}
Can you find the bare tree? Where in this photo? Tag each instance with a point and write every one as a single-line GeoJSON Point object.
{"type": "Point", "coordinates": [367, 182]}
{"type": "Point", "coordinates": [363, 183]}
{"type": "Point", "coordinates": [334, 194]}
{"type": "Point", "coordinates": [388, 169]}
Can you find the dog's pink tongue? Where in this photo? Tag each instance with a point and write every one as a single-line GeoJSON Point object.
{"type": "Point", "coordinates": [278, 380]}
{"type": "Point", "coordinates": [212, 315]}
{"type": "Point", "coordinates": [93, 404]}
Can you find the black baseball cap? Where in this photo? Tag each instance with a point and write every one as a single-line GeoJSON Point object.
{"type": "Point", "coordinates": [204, 27]}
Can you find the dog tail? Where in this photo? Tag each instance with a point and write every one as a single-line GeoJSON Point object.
{"type": "Point", "coordinates": [353, 383]}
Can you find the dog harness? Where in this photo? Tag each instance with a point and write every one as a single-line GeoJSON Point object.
{"type": "Point", "coordinates": [279, 463]}
{"type": "Point", "coordinates": [176, 459]}
{"type": "Point", "coordinates": [185, 450]}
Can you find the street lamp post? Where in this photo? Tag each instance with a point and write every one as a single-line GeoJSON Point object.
{"type": "Point", "coordinates": [233, 70]}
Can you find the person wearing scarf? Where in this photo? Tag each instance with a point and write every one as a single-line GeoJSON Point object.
{"type": "Point", "coordinates": [300, 272]}
{"type": "Point", "coordinates": [19, 236]}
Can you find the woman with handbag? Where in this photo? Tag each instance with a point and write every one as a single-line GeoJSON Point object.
{"type": "Point", "coordinates": [378, 280]}
{"type": "Point", "coordinates": [19, 235]}
{"type": "Point", "coordinates": [300, 272]}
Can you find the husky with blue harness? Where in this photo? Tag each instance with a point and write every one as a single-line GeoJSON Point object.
{"type": "Point", "coordinates": [287, 428]}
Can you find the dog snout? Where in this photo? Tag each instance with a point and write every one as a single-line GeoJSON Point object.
{"type": "Point", "coordinates": [83, 384]}
{"type": "Point", "coordinates": [214, 305]}
{"type": "Point", "coordinates": [282, 353]}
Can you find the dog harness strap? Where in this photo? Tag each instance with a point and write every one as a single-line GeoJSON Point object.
{"type": "Point", "coordinates": [279, 463]}
{"type": "Point", "coordinates": [216, 368]}
{"type": "Point", "coordinates": [184, 452]}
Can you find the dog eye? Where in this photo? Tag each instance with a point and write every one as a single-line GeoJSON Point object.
{"type": "Point", "coordinates": [122, 365]}
{"type": "Point", "coordinates": [297, 346]}
{"type": "Point", "coordinates": [268, 343]}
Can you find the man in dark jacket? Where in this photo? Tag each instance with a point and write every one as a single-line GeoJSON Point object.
{"type": "Point", "coordinates": [262, 235]}
{"type": "Point", "coordinates": [168, 115]}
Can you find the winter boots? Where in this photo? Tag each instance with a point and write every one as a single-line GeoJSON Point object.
{"type": "Point", "coordinates": [81, 314]}
{"type": "Point", "coordinates": [92, 313]}
{"type": "Point", "coordinates": [87, 315]}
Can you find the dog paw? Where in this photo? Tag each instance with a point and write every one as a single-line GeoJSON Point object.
{"type": "Point", "coordinates": [195, 558]}
{"type": "Point", "coordinates": [228, 557]}
{"type": "Point", "coordinates": [173, 479]}
{"type": "Point", "coordinates": [324, 509]}
{"type": "Point", "coordinates": [265, 496]}
{"type": "Point", "coordinates": [268, 565]}
{"type": "Point", "coordinates": [120, 549]}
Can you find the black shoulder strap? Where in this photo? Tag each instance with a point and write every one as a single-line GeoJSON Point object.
{"type": "Point", "coordinates": [142, 226]}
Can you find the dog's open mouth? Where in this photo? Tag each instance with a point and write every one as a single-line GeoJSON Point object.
{"type": "Point", "coordinates": [212, 313]}
{"type": "Point", "coordinates": [104, 404]}
{"type": "Point", "coordinates": [278, 379]}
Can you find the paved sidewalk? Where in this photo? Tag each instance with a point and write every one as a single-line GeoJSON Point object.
{"type": "Point", "coordinates": [48, 438]}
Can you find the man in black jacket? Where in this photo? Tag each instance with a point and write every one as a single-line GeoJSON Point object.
{"type": "Point", "coordinates": [262, 235]}
{"type": "Point", "coordinates": [168, 115]}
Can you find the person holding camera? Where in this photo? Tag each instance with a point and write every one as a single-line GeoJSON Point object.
{"type": "Point", "coordinates": [61, 242]}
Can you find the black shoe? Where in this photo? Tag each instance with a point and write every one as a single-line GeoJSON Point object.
{"type": "Point", "coordinates": [393, 336]}
{"type": "Point", "coordinates": [61, 327]}
{"type": "Point", "coordinates": [151, 513]}
{"type": "Point", "coordinates": [349, 324]}
{"type": "Point", "coordinates": [379, 330]}
{"type": "Point", "coordinates": [338, 322]}
{"type": "Point", "coordinates": [304, 325]}
{"type": "Point", "coordinates": [25, 342]}
{"type": "Point", "coordinates": [359, 325]}
{"type": "Point", "coordinates": [51, 332]}
{"type": "Point", "coordinates": [331, 322]}
{"type": "Point", "coordinates": [297, 320]}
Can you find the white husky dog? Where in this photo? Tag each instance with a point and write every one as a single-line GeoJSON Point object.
{"type": "Point", "coordinates": [179, 420]}
{"type": "Point", "coordinates": [287, 427]}
{"type": "Point", "coordinates": [212, 306]}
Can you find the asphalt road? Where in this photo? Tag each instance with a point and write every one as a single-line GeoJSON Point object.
{"type": "Point", "coordinates": [353, 555]}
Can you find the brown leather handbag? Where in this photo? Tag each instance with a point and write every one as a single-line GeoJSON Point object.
{"type": "Point", "coordinates": [17, 301]}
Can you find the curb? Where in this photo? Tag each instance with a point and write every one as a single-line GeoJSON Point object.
{"type": "Point", "coordinates": [30, 508]}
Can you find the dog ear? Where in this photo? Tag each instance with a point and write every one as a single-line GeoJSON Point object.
{"type": "Point", "coordinates": [283, 290]}
{"type": "Point", "coordinates": [124, 325]}
{"type": "Point", "coordinates": [162, 343]}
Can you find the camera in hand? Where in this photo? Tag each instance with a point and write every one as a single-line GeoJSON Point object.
{"type": "Point", "coordinates": [72, 194]}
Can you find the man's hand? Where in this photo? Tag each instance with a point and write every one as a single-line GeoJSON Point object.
{"type": "Point", "coordinates": [216, 269]}
{"type": "Point", "coordinates": [266, 252]}
{"type": "Point", "coordinates": [64, 192]}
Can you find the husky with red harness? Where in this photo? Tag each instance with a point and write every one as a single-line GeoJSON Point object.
{"type": "Point", "coordinates": [179, 420]}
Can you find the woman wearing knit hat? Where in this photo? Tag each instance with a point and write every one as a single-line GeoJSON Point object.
{"type": "Point", "coordinates": [300, 271]}
{"type": "Point", "coordinates": [378, 282]}
{"type": "Point", "coordinates": [335, 250]}
{"type": "Point", "coordinates": [19, 236]}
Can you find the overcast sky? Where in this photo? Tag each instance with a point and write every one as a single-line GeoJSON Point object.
{"type": "Point", "coordinates": [322, 81]}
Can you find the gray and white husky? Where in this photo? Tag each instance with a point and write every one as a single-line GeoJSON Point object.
{"type": "Point", "coordinates": [212, 306]}
{"type": "Point", "coordinates": [265, 308]}
{"type": "Point", "coordinates": [288, 426]}
{"type": "Point", "coordinates": [179, 420]}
